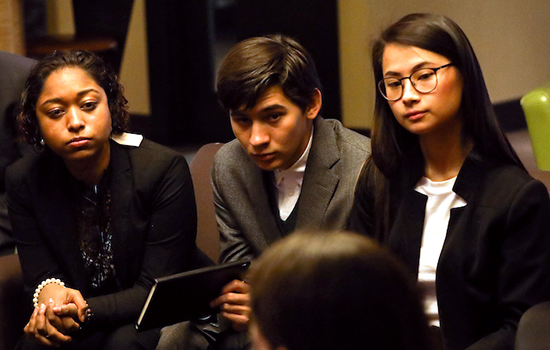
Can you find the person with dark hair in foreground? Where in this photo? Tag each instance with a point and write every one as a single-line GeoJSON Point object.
{"type": "Point", "coordinates": [446, 192]}
{"type": "Point", "coordinates": [97, 213]}
{"type": "Point", "coordinates": [352, 293]}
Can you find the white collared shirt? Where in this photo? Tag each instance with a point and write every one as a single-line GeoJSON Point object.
{"type": "Point", "coordinates": [128, 139]}
{"type": "Point", "coordinates": [441, 199]}
{"type": "Point", "coordinates": [289, 183]}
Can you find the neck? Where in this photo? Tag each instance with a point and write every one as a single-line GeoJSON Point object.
{"type": "Point", "coordinates": [444, 153]}
{"type": "Point", "coordinates": [89, 170]}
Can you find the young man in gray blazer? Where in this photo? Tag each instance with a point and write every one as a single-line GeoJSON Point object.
{"type": "Point", "coordinates": [288, 168]}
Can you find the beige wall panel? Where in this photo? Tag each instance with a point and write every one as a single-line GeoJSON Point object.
{"type": "Point", "coordinates": [134, 73]}
{"type": "Point", "coordinates": [59, 18]}
{"type": "Point", "coordinates": [12, 37]}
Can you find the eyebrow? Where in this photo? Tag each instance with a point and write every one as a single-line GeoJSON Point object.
{"type": "Point", "coordinates": [273, 107]}
{"type": "Point", "coordinates": [241, 112]}
{"type": "Point", "coordinates": [415, 68]}
{"type": "Point", "coordinates": [79, 94]}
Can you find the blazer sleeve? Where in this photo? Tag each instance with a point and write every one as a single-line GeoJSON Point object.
{"type": "Point", "coordinates": [169, 246]}
{"type": "Point", "coordinates": [233, 243]}
{"type": "Point", "coordinates": [524, 278]}
{"type": "Point", "coordinates": [362, 215]}
{"type": "Point", "coordinates": [38, 262]}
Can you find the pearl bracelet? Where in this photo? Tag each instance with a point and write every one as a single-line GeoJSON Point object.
{"type": "Point", "coordinates": [42, 285]}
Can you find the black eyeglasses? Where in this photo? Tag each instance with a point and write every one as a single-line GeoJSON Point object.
{"type": "Point", "coordinates": [423, 80]}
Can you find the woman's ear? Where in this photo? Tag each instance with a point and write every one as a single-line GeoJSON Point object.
{"type": "Point", "coordinates": [315, 105]}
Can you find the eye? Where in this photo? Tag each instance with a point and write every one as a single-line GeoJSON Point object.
{"type": "Point", "coordinates": [424, 74]}
{"type": "Point", "coordinates": [89, 106]}
{"type": "Point", "coordinates": [392, 83]}
{"type": "Point", "coordinates": [241, 121]}
{"type": "Point", "coordinates": [273, 117]}
{"type": "Point", "coordinates": [55, 113]}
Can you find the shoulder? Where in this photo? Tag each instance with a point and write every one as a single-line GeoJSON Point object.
{"type": "Point", "coordinates": [35, 171]}
{"type": "Point", "coordinates": [498, 184]}
{"type": "Point", "coordinates": [231, 156]}
{"type": "Point", "coordinates": [507, 176]}
{"type": "Point", "coordinates": [149, 160]}
{"type": "Point", "coordinates": [233, 168]}
{"type": "Point", "coordinates": [232, 148]}
{"type": "Point", "coordinates": [511, 178]}
{"type": "Point", "coordinates": [30, 165]}
{"type": "Point", "coordinates": [149, 152]}
{"type": "Point", "coordinates": [348, 141]}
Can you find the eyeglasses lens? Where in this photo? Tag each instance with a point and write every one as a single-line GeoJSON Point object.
{"type": "Point", "coordinates": [423, 80]}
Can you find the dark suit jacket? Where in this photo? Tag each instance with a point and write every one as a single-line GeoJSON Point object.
{"type": "Point", "coordinates": [247, 223]}
{"type": "Point", "coordinates": [14, 70]}
{"type": "Point", "coordinates": [495, 261]}
{"type": "Point", "coordinates": [153, 223]}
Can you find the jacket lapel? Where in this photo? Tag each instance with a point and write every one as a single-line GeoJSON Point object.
{"type": "Point", "coordinates": [121, 196]}
{"type": "Point", "coordinates": [260, 192]}
{"type": "Point", "coordinates": [320, 180]}
{"type": "Point", "coordinates": [57, 213]}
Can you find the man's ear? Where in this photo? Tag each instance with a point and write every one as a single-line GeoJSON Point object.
{"type": "Point", "coordinates": [315, 105]}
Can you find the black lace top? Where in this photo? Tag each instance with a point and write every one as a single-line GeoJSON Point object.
{"type": "Point", "coordinates": [93, 221]}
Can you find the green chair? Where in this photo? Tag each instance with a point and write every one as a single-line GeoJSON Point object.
{"type": "Point", "coordinates": [536, 106]}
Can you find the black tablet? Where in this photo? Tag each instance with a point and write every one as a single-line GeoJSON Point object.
{"type": "Point", "coordinates": [187, 295]}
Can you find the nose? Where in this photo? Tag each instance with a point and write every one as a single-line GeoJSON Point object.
{"type": "Point", "coordinates": [409, 92]}
{"type": "Point", "coordinates": [258, 136]}
{"type": "Point", "coordinates": [75, 120]}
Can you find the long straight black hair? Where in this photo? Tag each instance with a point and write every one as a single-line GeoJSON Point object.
{"type": "Point", "coordinates": [441, 35]}
{"type": "Point", "coordinates": [390, 141]}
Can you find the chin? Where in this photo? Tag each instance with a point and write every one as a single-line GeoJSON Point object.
{"type": "Point", "coordinates": [79, 156]}
{"type": "Point", "coordinates": [266, 168]}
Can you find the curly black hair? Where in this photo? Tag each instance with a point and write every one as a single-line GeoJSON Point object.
{"type": "Point", "coordinates": [94, 66]}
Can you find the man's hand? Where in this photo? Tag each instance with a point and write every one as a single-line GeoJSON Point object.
{"type": "Point", "coordinates": [234, 304]}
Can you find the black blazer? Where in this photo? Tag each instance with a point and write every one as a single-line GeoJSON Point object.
{"type": "Point", "coordinates": [14, 70]}
{"type": "Point", "coordinates": [153, 223]}
{"type": "Point", "coordinates": [495, 262]}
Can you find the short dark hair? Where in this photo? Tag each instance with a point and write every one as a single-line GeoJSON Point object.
{"type": "Point", "coordinates": [256, 64]}
{"type": "Point", "coordinates": [94, 66]}
{"type": "Point", "coordinates": [335, 290]}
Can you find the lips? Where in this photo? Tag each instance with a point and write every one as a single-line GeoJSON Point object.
{"type": "Point", "coordinates": [415, 114]}
{"type": "Point", "coordinates": [263, 156]}
{"type": "Point", "coordinates": [78, 141]}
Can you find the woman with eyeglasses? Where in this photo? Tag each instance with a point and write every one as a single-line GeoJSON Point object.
{"type": "Point", "coordinates": [446, 192]}
{"type": "Point", "coordinates": [97, 213]}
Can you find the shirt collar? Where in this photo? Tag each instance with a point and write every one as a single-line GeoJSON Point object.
{"type": "Point", "coordinates": [297, 169]}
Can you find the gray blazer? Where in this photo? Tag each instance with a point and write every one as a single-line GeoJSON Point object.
{"type": "Point", "coordinates": [245, 219]}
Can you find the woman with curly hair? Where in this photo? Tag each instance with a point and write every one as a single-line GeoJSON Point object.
{"type": "Point", "coordinates": [97, 213]}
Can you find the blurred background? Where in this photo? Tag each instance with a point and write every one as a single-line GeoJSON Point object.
{"type": "Point", "coordinates": [167, 51]}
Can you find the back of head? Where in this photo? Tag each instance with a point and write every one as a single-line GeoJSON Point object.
{"type": "Point", "coordinates": [255, 64]}
{"type": "Point", "coordinates": [441, 35]}
{"type": "Point", "coordinates": [315, 290]}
